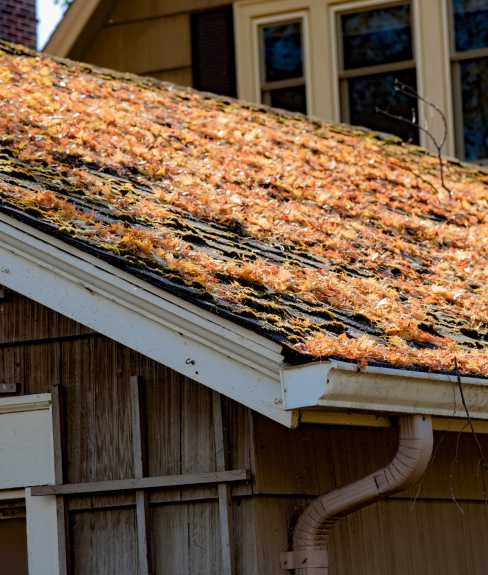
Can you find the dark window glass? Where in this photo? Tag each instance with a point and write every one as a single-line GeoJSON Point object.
{"type": "Point", "coordinates": [213, 57]}
{"type": "Point", "coordinates": [369, 93]}
{"type": "Point", "coordinates": [474, 83]}
{"type": "Point", "coordinates": [376, 37]}
{"type": "Point", "coordinates": [283, 54]}
{"type": "Point", "coordinates": [470, 24]}
{"type": "Point", "coordinates": [293, 99]}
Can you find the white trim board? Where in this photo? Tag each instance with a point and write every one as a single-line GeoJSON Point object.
{"type": "Point", "coordinates": [27, 459]}
{"type": "Point", "coordinates": [212, 351]}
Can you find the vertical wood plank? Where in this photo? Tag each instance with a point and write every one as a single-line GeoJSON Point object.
{"type": "Point", "coordinates": [58, 419]}
{"type": "Point", "coordinates": [224, 491]}
{"type": "Point", "coordinates": [142, 501]}
{"type": "Point", "coordinates": [197, 432]}
{"type": "Point", "coordinates": [104, 542]}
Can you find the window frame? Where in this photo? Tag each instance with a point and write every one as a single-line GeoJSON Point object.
{"type": "Point", "coordinates": [455, 59]}
{"type": "Point", "coordinates": [429, 34]}
{"type": "Point", "coordinates": [342, 76]}
{"type": "Point", "coordinates": [261, 86]}
{"type": "Point", "coordinates": [42, 518]}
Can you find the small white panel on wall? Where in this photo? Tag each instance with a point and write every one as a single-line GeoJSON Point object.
{"type": "Point", "coordinates": [26, 442]}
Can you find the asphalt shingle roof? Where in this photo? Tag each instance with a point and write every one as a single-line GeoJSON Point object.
{"type": "Point", "coordinates": [333, 241]}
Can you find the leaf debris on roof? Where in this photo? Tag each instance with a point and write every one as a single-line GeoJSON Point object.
{"type": "Point", "coordinates": [332, 240]}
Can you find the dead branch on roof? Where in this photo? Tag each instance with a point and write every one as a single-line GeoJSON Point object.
{"type": "Point", "coordinates": [438, 143]}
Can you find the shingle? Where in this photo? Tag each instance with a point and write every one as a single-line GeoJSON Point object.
{"type": "Point", "coordinates": [331, 240]}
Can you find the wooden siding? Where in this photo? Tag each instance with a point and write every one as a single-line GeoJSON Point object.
{"type": "Point", "coordinates": [143, 47]}
{"type": "Point", "coordinates": [419, 532]}
{"type": "Point", "coordinates": [150, 37]}
{"type": "Point", "coordinates": [128, 10]}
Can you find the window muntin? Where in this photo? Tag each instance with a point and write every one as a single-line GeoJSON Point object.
{"type": "Point", "coordinates": [469, 45]}
{"type": "Point", "coordinates": [282, 64]}
{"type": "Point", "coordinates": [376, 48]}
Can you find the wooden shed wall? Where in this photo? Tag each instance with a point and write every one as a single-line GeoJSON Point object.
{"type": "Point", "coordinates": [150, 37]}
{"type": "Point", "coordinates": [422, 532]}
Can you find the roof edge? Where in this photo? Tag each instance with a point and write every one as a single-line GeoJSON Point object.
{"type": "Point", "coordinates": [342, 385]}
{"type": "Point", "coordinates": [70, 27]}
{"type": "Point", "coordinates": [210, 350]}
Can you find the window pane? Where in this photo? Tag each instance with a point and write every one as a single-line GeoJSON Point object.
{"type": "Point", "coordinates": [471, 24]}
{"type": "Point", "coordinates": [283, 54]}
{"type": "Point", "coordinates": [474, 82]}
{"type": "Point", "coordinates": [376, 37]}
{"type": "Point", "coordinates": [292, 99]}
{"type": "Point", "coordinates": [368, 93]}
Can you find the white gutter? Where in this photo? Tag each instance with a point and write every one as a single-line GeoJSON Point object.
{"type": "Point", "coordinates": [340, 385]}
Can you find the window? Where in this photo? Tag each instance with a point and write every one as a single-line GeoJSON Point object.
{"type": "Point", "coordinates": [375, 51]}
{"type": "Point", "coordinates": [213, 56]}
{"type": "Point", "coordinates": [282, 63]}
{"type": "Point", "coordinates": [469, 49]}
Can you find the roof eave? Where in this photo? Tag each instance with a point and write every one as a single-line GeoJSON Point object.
{"type": "Point", "coordinates": [198, 344]}
{"type": "Point", "coordinates": [214, 351]}
{"type": "Point", "coordinates": [340, 385]}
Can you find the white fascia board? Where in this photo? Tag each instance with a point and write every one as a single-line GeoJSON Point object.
{"type": "Point", "coordinates": [212, 351]}
{"type": "Point", "coordinates": [341, 385]}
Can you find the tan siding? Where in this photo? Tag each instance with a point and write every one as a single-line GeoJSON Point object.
{"type": "Point", "coordinates": [126, 10]}
{"type": "Point", "coordinates": [143, 47]}
{"type": "Point", "coordinates": [397, 537]}
{"type": "Point", "coordinates": [314, 459]}
{"type": "Point", "coordinates": [181, 76]}
{"type": "Point", "coordinates": [425, 538]}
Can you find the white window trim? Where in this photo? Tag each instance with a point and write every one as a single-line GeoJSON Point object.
{"type": "Point", "coordinates": [337, 10]}
{"type": "Point", "coordinates": [283, 17]}
{"type": "Point", "coordinates": [430, 23]}
{"type": "Point", "coordinates": [454, 93]}
{"type": "Point", "coordinates": [41, 512]}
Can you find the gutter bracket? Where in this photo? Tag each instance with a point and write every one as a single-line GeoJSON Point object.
{"type": "Point", "coordinates": [315, 558]}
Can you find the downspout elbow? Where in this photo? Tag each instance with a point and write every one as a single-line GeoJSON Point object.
{"type": "Point", "coordinates": [311, 534]}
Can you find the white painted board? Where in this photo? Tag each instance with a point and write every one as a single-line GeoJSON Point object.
{"type": "Point", "coordinates": [26, 449]}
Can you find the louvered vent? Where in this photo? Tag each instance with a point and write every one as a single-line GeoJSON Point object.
{"type": "Point", "coordinates": [213, 51]}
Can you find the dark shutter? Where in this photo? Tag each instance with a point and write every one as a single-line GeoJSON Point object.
{"type": "Point", "coordinates": [213, 54]}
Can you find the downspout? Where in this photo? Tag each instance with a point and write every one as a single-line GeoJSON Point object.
{"type": "Point", "coordinates": [311, 534]}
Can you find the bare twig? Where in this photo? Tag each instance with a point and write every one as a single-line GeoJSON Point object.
{"type": "Point", "coordinates": [451, 471]}
{"type": "Point", "coordinates": [483, 463]}
{"type": "Point", "coordinates": [420, 484]}
{"type": "Point", "coordinates": [438, 144]}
